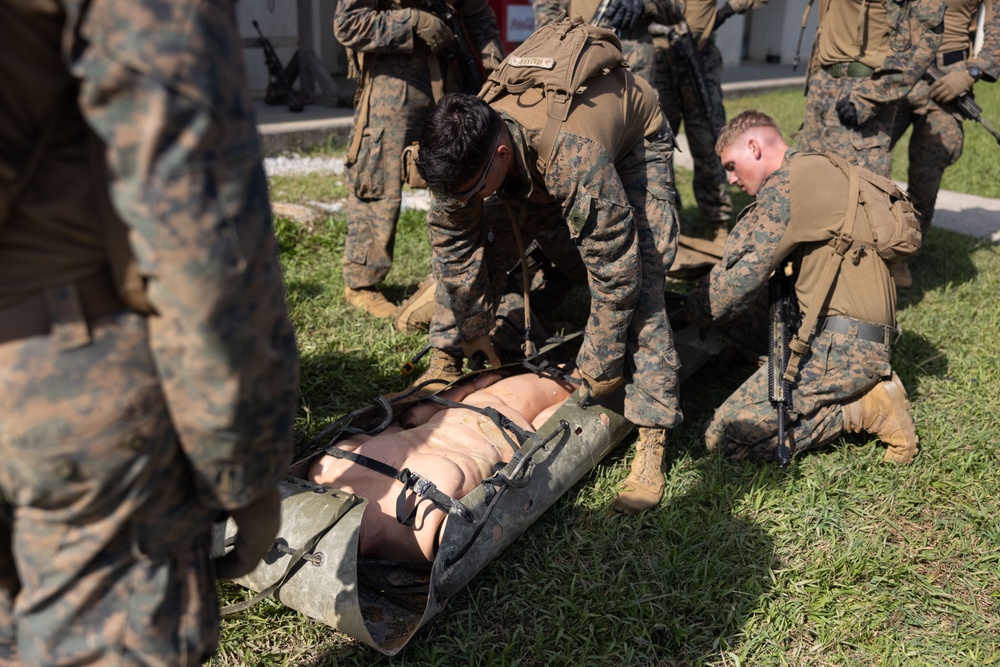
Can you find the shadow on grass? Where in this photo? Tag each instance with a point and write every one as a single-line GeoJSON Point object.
{"type": "Point", "coordinates": [944, 261]}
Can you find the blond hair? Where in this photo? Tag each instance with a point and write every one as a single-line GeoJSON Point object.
{"type": "Point", "coordinates": [745, 120]}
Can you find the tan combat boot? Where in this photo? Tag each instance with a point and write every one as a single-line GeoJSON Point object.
{"type": "Point", "coordinates": [414, 314]}
{"type": "Point", "coordinates": [442, 366]}
{"type": "Point", "coordinates": [885, 412]}
{"type": "Point", "coordinates": [369, 300]}
{"type": "Point", "coordinates": [643, 487]}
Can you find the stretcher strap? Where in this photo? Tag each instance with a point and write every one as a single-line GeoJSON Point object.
{"type": "Point", "coordinates": [500, 482]}
{"type": "Point", "coordinates": [420, 485]}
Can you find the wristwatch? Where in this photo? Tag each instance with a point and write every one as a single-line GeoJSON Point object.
{"type": "Point", "coordinates": [974, 73]}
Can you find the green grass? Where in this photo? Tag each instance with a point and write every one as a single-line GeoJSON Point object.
{"type": "Point", "coordinates": [841, 559]}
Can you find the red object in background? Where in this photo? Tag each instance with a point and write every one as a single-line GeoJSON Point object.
{"type": "Point", "coordinates": [516, 19]}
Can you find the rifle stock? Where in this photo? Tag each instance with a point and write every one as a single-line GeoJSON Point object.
{"type": "Point", "coordinates": [966, 105]}
{"type": "Point", "coordinates": [460, 51]}
{"type": "Point", "coordinates": [277, 72]}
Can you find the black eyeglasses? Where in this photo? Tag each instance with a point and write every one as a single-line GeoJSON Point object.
{"type": "Point", "coordinates": [481, 183]}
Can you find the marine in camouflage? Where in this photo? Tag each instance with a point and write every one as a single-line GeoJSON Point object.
{"type": "Point", "coordinates": [621, 215]}
{"type": "Point", "coordinates": [911, 41]}
{"type": "Point", "coordinates": [123, 435]}
{"type": "Point", "coordinates": [393, 99]}
{"type": "Point", "coordinates": [938, 136]}
{"type": "Point", "coordinates": [838, 367]}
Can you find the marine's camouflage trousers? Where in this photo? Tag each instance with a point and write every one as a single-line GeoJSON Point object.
{"type": "Point", "coordinates": [838, 369]}
{"type": "Point", "coordinates": [680, 103]}
{"type": "Point", "coordinates": [822, 132]}
{"type": "Point", "coordinates": [400, 101]}
{"type": "Point", "coordinates": [639, 56]}
{"type": "Point", "coordinates": [109, 540]}
{"type": "Point", "coordinates": [935, 144]}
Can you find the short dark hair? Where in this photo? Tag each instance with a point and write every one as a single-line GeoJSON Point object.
{"type": "Point", "coordinates": [456, 141]}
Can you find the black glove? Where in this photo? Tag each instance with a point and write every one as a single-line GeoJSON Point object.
{"type": "Point", "coordinates": [847, 114]}
{"type": "Point", "coordinates": [624, 14]}
{"type": "Point", "coordinates": [723, 13]}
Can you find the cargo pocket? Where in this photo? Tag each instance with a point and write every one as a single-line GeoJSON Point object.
{"type": "Point", "coordinates": [368, 172]}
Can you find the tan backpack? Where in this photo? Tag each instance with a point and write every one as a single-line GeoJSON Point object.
{"type": "Point", "coordinates": [895, 229]}
{"type": "Point", "coordinates": [557, 58]}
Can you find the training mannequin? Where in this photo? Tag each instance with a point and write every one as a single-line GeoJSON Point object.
{"type": "Point", "coordinates": [453, 447]}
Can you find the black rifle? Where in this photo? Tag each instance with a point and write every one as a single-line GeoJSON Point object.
{"type": "Point", "coordinates": [966, 105]}
{"type": "Point", "coordinates": [459, 51]}
{"type": "Point", "coordinates": [782, 306]}
{"type": "Point", "coordinates": [682, 43]}
{"type": "Point", "coordinates": [276, 70]}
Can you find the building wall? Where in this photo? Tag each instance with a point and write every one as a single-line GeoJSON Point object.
{"type": "Point", "coordinates": [772, 29]}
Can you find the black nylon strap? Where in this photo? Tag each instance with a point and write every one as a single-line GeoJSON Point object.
{"type": "Point", "coordinates": [416, 482]}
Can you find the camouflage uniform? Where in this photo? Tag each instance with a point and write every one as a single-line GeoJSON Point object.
{"type": "Point", "coordinates": [936, 142]}
{"type": "Point", "coordinates": [618, 208]}
{"type": "Point", "coordinates": [124, 435]}
{"type": "Point", "coordinates": [393, 99]}
{"type": "Point", "coordinates": [797, 210]}
{"type": "Point", "coordinates": [637, 43]}
{"type": "Point", "coordinates": [680, 101]}
{"type": "Point", "coordinates": [871, 62]}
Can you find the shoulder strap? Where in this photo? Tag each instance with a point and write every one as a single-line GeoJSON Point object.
{"type": "Point", "coordinates": [799, 345]}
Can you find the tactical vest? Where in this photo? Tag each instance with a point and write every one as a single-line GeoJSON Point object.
{"type": "Point", "coordinates": [874, 225]}
{"type": "Point", "coordinates": [57, 224]}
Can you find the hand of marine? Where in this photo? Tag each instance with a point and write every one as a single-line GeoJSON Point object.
{"type": "Point", "coordinates": [625, 14]}
{"type": "Point", "coordinates": [481, 345]}
{"type": "Point", "coordinates": [431, 29]}
{"type": "Point", "coordinates": [257, 525]}
{"type": "Point", "coordinates": [847, 113]}
{"type": "Point", "coordinates": [951, 85]}
{"type": "Point", "coordinates": [599, 388]}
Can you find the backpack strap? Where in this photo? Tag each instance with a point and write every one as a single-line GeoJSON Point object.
{"type": "Point", "coordinates": [799, 345]}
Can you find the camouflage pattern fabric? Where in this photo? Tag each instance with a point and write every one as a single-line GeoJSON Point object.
{"type": "Point", "coordinates": [395, 86]}
{"type": "Point", "coordinates": [111, 545]}
{"type": "Point", "coordinates": [637, 46]}
{"type": "Point", "coordinates": [938, 136]}
{"type": "Point", "coordinates": [625, 226]}
{"type": "Point", "coordinates": [680, 102]}
{"type": "Point", "coordinates": [912, 47]}
{"type": "Point", "coordinates": [836, 368]}
{"type": "Point", "coordinates": [118, 451]}
{"type": "Point", "coordinates": [935, 144]}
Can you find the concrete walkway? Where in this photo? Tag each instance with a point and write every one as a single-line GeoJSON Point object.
{"type": "Point", "coordinates": [285, 132]}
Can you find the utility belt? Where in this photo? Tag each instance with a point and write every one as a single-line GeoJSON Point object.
{"type": "Point", "coordinates": [851, 69]}
{"type": "Point", "coordinates": [952, 57]}
{"type": "Point", "coordinates": [63, 311]}
{"type": "Point", "coordinates": [876, 333]}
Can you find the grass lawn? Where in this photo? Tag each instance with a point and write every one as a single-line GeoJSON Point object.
{"type": "Point", "coordinates": [839, 560]}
